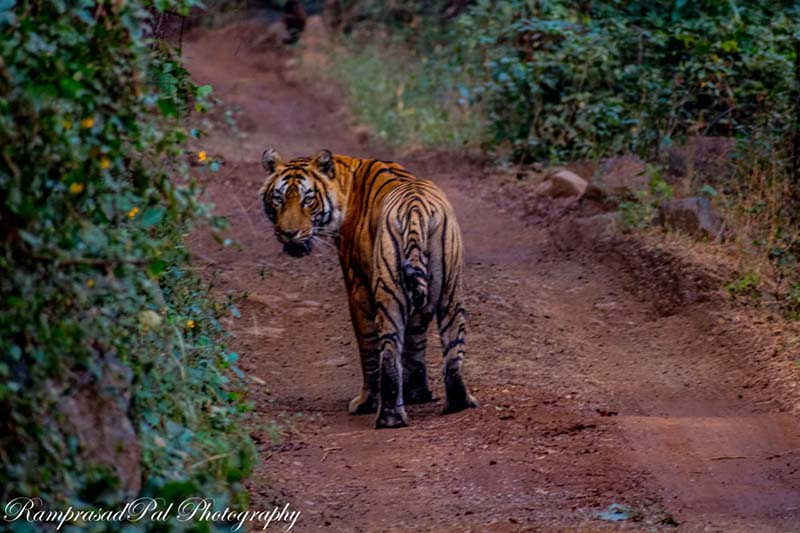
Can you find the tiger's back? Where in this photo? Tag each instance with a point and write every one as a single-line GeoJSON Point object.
{"type": "Point", "coordinates": [399, 227]}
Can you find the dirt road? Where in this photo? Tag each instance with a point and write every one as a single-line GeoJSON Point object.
{"type": "Point", "coordinates": [591, 394]}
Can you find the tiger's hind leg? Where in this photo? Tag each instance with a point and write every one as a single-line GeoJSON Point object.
{"type": "Point", "coordinates": [391, 316]}
{"type": "Point", "coordinates": [415, 372]}
{"type": "Point", "coordinates": [447, 264]}
{"type": "Point", "coordinates": [391, 409]}
{"type": "Point", "coordinates": [452, 330]}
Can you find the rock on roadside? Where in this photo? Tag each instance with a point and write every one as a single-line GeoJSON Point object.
{"type": "Point", "coordinates": [574, 233]}
{"type": "Point", "coordinates": [617, 178]}
{"type": "Point", "coordinates": [96, 413]}
{"type": "Point", "coordinates": [693, 215]}
{"type": "Point", "coordinates": [562, 184]}
{"type": "Point", "coordinates": [706, 157]}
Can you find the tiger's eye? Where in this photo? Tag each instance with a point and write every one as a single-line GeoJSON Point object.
{"type": "Point", "coordinates": [308, 201]}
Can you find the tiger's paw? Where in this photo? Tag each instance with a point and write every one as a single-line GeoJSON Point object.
{"type": "Point", "coordinates": [363, 405]}
{"type": "Point", "coordinates": [455, 405]}
{"type": "Point", "coordinates": [392, 418]}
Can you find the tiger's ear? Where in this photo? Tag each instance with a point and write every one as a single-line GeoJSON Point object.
{"type": "Point", "coordinates": [270, 159]}
{"type": "Point", "coordinates": [323, 160]}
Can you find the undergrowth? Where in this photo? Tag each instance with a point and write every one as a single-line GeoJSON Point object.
{"type": "Point", "coordinates": [395, 93]}
{"type": "Point", "coordinates": [761, 207]}
{"type": "Point", "coordinates": [99, 296]}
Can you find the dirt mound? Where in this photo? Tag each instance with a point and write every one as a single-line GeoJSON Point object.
{"type": "Point", "coordinates": [669, 281]}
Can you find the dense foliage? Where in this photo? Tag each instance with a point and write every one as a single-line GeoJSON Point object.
{"type": "Point", "coordinates": [94, 201]}
{"type": "Point", "coordinates": [563, 79]}
{"type": "Point", "coordinates": [558, 79]}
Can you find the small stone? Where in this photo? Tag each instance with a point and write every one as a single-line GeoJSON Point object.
{"type": "Point", "coordinates": [562, 184]}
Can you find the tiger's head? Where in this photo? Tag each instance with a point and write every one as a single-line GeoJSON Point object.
{"type": "Point", "coordinates": [302, 199]}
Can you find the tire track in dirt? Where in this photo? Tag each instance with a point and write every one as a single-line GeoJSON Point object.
{"type": "Point", "coordinates": [553, 339]}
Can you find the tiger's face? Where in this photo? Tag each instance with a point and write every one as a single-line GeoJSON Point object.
{"type": "Point", "coordinates": [300, 198]}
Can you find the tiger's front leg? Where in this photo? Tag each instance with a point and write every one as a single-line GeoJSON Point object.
{"type": "Point", "coordinates": [366, 332]}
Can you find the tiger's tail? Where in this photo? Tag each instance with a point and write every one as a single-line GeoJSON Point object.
{"type": "Point", "coordinates": [415, 257]}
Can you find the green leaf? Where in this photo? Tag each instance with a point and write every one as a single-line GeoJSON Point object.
{"type": "Point", "coordinates": [152, 216]}
{"type": "Point", "coordinates": [15, 352]}
{"type": "Point", "coordinates": [168, 108]}
{"type": "Point", "coordinates": [71, 88]}
{"type": "Point", "coordinates": [204, 91]}
{"type": "Point", "coordinates": [6, 15]}
{"type": "Point", "coordinates": [709, 190]}
{"type": "Point", "coordinates": [177, 491]}
{"type": "Point", "coordinates": [156, 267]}
{"type": "Point", "coordinates": [30, 238]}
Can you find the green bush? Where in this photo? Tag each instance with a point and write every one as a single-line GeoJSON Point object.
{"type": "Point", "coordinates": [556, 79]}
{"type": "Point", "coordinates": [95, 198]}
{"type": "Point", "coordinates": [563, 79]}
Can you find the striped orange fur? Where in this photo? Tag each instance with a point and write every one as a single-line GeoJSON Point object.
{"type": "Point", "coordinates": [400, 249]}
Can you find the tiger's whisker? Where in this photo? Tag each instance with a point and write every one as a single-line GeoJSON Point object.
{"type": "Point", "coordinates": [325, 243]}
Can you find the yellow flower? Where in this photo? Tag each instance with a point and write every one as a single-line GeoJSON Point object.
{"type": "Point", "coordinates": [105, 163]}
{"type": "Point", "coordinates": [132, 213]}
{"type": "Point", "coordinates": [190, 323]}
{"type": "Point", "coordinates": [201, 156]}
{"type": "Point", "coordinates": [76, 188]}
{"type": "Point", "coordinates": [90, 283]}
{"type": "Point", "coordinates": [87, 123]}
{"type": "Point", "coordinates": [67, 124]}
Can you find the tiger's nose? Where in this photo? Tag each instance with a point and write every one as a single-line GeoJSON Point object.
{"type": "Point", "coordinates": [290, 234]}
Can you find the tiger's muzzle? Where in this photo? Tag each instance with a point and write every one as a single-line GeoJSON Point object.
{"type": "Point", "coordinates": [294, 243]}
{"type": "Point", "coordinates": [298, 248]}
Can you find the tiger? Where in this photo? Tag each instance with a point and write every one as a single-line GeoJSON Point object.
{"type": "Point", "coordinates": [400, 249]}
